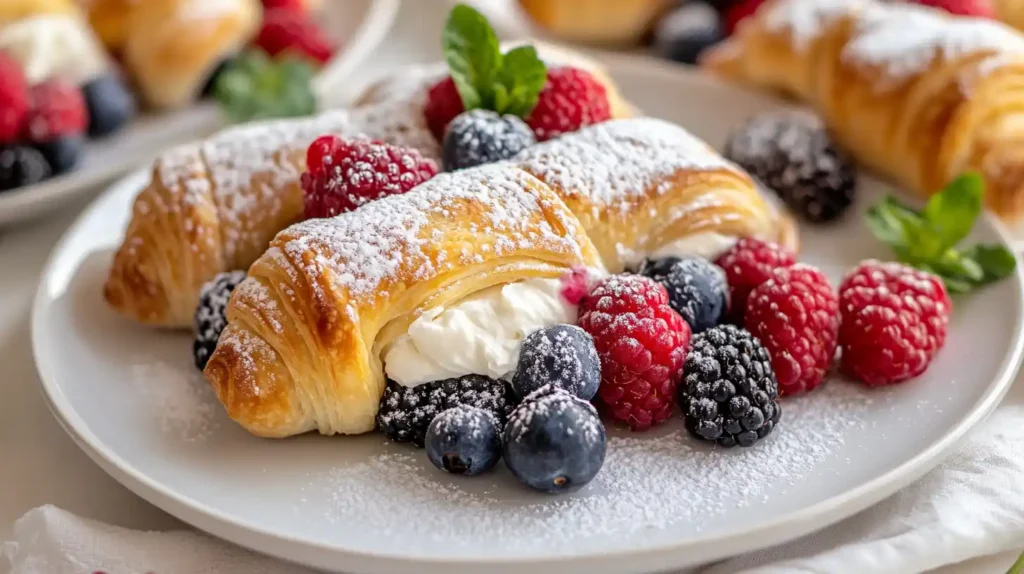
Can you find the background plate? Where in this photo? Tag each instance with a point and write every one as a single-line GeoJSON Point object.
{"type": "Point", "coordinates": [360, 24]}
{"type": "Point", "coordinates": [131, 399]}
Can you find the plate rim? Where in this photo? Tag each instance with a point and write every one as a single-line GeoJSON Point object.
{"type": "Point", "coordinates": [24, 204]}
{"type": "Point", "coordinates": [710, 547]}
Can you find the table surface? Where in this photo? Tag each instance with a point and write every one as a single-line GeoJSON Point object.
{"type": "Point", "coordinates": [41, 465]}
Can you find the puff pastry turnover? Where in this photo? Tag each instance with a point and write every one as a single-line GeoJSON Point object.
{"type": "Point", "coordinates": [306, 329]}
{"type": "Point", "coordinates": [914, 93]}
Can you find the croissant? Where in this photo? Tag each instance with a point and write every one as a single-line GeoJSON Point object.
{"type": "Point", "coordinates": [914, 93]}
{"type": "Point", "coordinates": [215, 206]}
{"type": "Point", "coordinates": [248, 182]}
{"type": "Point", "coordinates": [311, 332]}
{"type": "Point", "coordinates": [307, 328]}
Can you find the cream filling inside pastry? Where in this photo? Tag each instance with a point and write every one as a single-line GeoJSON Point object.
{"type": "Point", "coordinates": [706, 244]}
{"type": "Point", "coordinates": [479, 335]}
{"type": "Point", "coordinates": [49, 46]}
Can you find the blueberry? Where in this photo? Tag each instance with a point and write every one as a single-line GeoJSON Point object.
{"type": "Point", "coordinates": [688, 31]}
{"type": "Point", "coordinates": [560, 355]}
{"type": "Point", "coordinates": [62, 153]}
{"type": "Point", "coordinates": [21, 166]}
{"type": "Point", "coordinates": [110, 104]}
{"type": "Point", "coordinates": [554, 441]}
{"type": "Point", "coordinates": [464, 440]}
{"type": "Point", "coordinates": [480, 136]}
{"type": "Point", "coordinates": [696, 289]}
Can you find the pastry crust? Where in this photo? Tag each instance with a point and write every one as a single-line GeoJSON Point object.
{"type": "Point", "coordinates": [914, 93]}
{"type": "Point", "coordinates": [306, 329]}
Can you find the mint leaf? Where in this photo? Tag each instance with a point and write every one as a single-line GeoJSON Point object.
{"type": "Point", "coordinates": [885, 227]}
{"type": "Point", "coordinates": [523, 75]}
{"type": "Point", "coordinates": [950, 214]}
{"type": "Point", "coordinates": [474, 59]}
{"type": "Point", "coordinates": [995, 261]}
{"type": "Point", "coordinates": [256, 87]}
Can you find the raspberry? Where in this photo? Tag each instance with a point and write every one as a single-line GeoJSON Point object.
{"type": "Point", "coordinates": [58, 109]}
{"type": "Point", "coordinates": [288, 29]}
{"type": "Point", "coordinates": [894, 320]}
{"type": "Point", "coordinates": [976, 8]}
{"type": "Point", "coordinates": [293, 5]}
{"type": "Point", "coordinates": [571, 98]}
{"type": "Point", "coordinates": [748, 264]}
{"type": "Point", "coordinates": [642, 344]}
{"type": "Point", "coordinates": [443, 104]}
{"type": "Point", "coordinates": [795, 315]}
{"type": "Point", "coordinates": [342, 175]}
{"type": "Point", "coordinates": [14, 99]}
{"type": "Point", "coordinates": [739, 12]}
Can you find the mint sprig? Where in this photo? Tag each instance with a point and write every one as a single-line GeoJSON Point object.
{"type": "Point", "coordinates": [254, 87]}
{"type": "Point", "coordinates": [485, 78]}
{"type": "Point", "coordinates": [927, 239]}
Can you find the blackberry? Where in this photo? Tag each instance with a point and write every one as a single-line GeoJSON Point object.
{"type": "Point", "coordinates": [561, 355]}
{"type": "Point", "coordinates": [729, 394]}
{"type": "Point", "coordinates": [481, 136]}
{"type": "Point", "coordinates": [464, 440]}
{"type": "Point", "coordinates": [796, 157]}
{"type": "Point", "coordinates": [209, 318]}
{"type": "Point", "coordinates": [696, 288]}
{"type": "Point", "coordinates": [21, 166]}
{"type": "Point", "coordinates": [406, 412]}
{"type": "Point", "coordinates": [554, 441]}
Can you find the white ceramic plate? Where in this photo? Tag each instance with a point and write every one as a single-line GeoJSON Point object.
{"type": "Point", "coordinates": [131, 399]}
{"type": "Point", "coordinates": [359, 24]}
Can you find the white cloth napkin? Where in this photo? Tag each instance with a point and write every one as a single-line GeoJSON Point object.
{"type": "Point", "coordinates": [972, 505]}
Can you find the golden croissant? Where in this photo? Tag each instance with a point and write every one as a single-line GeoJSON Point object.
{"type": "Point", "coordinates": [913, 93]}
{"type": "Point", "coordinates": [310, 331]}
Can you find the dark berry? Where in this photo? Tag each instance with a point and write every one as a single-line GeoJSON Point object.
{"type": "Point", "coordinates": [110, 104]}
{"type": "Point", "coordinates": [796, 157]}
{"type": "Point", "coordinates": [554, 441]}
{"type": "Point", "coordinates": [696, 288]}
{"type": "Point", "coordinates": [209, 318]}
{"type": "Point", "coordinates": [729, 394]}
{"type": "Point", "coordinates": [688, 31]}
{"type": "Point", "coordinates": [21, 166]}
{"type": "Point", "coordinates": [406, 412]}
{"type": "Point", "coordinates": [62, 152]}
{"type": "Point", "coordinates": [464, 440]}
{"type": "Point", "coordinates": [560, 355]}
{"type": "Point", "coordinates": [480, 136]}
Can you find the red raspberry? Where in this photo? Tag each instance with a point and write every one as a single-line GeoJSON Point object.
{"type": "Point", "coordinates": [294, 5]}
{"type": "Point", "coordinates": [443, 104]}
{"type": "Point", "coordinates": [14, 99]}
{"type": "Point", "coordinates": [342, 175]}
{"type": "Point", "coordinates": [739, 12]}
{"type": "Point", "coordinates": [894, 321]}
{"type": "Point", "coordinates": [571, 98]}
{"type": "Point", "coordinates": [58, 109]}
{"type": "Point", "coordinates": [976, 8]}
{"type": "Point", "coordinates": [288, 29]}
{"type": "Point", "coordinates": [748, 264]}
{"type": "Point", "coordinates": [795, 315]}
{"type": "Point", "coordinates": [642, 344]}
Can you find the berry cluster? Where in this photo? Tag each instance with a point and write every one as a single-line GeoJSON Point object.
{"type": "Point", "coordinates": [43, 127]}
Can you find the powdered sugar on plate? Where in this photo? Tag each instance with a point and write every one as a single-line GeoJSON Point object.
{"type": "Point", "coordinates": [177, 399]}
{"type": "Point", "coordinates": [649, 481]}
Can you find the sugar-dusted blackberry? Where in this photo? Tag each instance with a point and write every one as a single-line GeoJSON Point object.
{"type": "Point", "coordinates": [21, 166]}
{"type": "Point", "coordinates": [406, 412]}
{"type": "Point", "coordinates": [796, 157]}
{"type": "Point", "coordinates": [560, 355]}
{"type": "Point", "coordinates": [696, 289]}
{"type": "Point", "coordinates": [729, 394]}
{"type": "Point", "coordinates": [481, 136]}
{"type": "Point", "coordinates": [209, 318]}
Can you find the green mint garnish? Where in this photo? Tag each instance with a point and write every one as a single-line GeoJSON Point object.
{"type": "Point", "coordinates": [506, 83]}
{"type": "Point", "coordinates": [255, 87]}
{"type": "Point", "coordinates": [927, 239]}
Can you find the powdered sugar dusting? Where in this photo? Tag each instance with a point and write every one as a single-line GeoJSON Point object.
{"type": "Point", "coordinates": [805, 20]}
{"type": "Point", "coordinates": [179, 401]}
{"type": "Point", "coordinates": [649, 482]}
{"type": "Point", "coordinates": [619, 160]}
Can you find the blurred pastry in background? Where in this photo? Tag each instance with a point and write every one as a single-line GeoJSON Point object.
{"type": "Point", "coordinates": [109, 18]}
{"type": "Point", "coordinates": [172, 47]}
{"type": "Point", "coordinates": [605, 22]}
{"type": "Point", "coordinates": [11, 10]}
